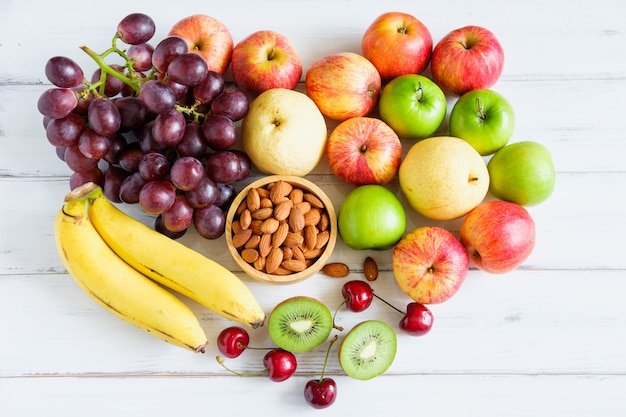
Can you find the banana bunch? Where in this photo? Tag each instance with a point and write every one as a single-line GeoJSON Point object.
{"type": "Point", "coordinates": [120, 263]}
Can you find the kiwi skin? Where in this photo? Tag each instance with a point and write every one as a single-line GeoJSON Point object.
{"type": "Point", "coordinates": [358, 339]}
{"type": "Point", "coordinates": [292, 309]}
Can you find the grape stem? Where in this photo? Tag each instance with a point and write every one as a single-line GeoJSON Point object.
{"type": "Point", "coordinates": [107, 70]}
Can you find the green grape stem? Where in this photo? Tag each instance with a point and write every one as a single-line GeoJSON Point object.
{"type": "Point", "coordinates": [107, 70]}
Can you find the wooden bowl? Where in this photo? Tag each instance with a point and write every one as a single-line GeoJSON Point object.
{"type": "Point", "coordinates": [256, 270]}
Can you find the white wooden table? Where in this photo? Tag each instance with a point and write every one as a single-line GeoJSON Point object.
{"type": "Point", "coordinates": [546, 340]}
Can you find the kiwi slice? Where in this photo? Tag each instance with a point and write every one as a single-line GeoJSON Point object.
{"type": "Point", "coordinates": [300, 324]}
{"type": "Point", "coordinates": [368, 350]}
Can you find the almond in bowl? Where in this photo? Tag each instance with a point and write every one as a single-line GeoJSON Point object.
{"type": "Point", "coordinates": [281, 229]}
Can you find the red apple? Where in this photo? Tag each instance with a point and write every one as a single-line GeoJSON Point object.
{"type": "Point", "coordinates": [265, 60]}
{"type": "Point", "coordinates": [430, 264]}
{"type": "Point", "coordinates": [397, 44]}
{"type": "Point", "coordinates": [499, 236]}
{"type": "Point", "coordinates": [364, 150]}
{"type": "Point", "coordinates": [343, 85]}
{"type": "Point", "coordinates": [208, 37]}
{"type": "Point", "coordinates": [466, 59]}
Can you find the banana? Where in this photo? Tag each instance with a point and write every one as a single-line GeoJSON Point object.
{"type": "Point", "coordinates": [118, 287]}
{"type": "Point", "coordinates": [173, 264]}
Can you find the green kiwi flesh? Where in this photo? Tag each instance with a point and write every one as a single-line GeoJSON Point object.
{"type": "Point", "coordinates": [368, 350]}
{"type": "Point", "coordinates": [300, 324]}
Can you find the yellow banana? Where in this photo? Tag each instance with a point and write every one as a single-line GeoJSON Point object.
{"type": "Point", "coordinates": [118, 287]}
{"type": "Point", "coordinates": [173, 264]}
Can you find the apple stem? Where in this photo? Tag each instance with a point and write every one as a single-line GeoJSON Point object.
{"type": "Point", "coordinates": [330, 345]}
{"type": "Point", "coordinates": [390, 305]}
{"type": "Point", "coordinates": [481, 109]}
{"type": "Point", "coordinates": [421, 91]}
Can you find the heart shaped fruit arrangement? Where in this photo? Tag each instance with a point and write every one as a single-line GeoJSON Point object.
{"type": "Point", "coordinates": [160, 127]}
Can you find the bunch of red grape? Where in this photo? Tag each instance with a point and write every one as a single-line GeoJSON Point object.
{"type": "Point", "coordinates": [157, 129]}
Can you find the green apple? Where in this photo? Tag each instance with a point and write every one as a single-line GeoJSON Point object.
{"type": "Point", "coordinates": [413, 105]}
{"type": "Point", "coordinates": [523, 173]}
{"type": "Point", "coordinates": [371, 217]}
{"type": "Point", "coordinates": [484, 119]}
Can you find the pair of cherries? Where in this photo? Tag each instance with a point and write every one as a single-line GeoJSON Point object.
{"type": "Point", "coordinates": [416, 321]}
{"type": "Point", "coordinates": [279, 365]}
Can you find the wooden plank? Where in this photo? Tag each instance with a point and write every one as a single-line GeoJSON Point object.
{"type": "Point", "coordinates": [467, 395]}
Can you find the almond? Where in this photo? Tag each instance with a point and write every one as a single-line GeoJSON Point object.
{"type": "Point", "coordinates": [313, 200]}
{"type": "Point", "coordinates": [322, 239]}
{"type": "Point", "coordinates": [293, 239]}
{"type": "Point", "coordinates": [262, 213]}
{"type": "Point", "coordinates": [312, 217]}
{"type": "Point", "coordinates": [241, 237]}
{"type": "Point", "coordinates": [336, 270]}
{"type": "Point", "coordinates": [273, 261]}
{"type": "Point", "coordinates": [279, 191]}
{"type": "Point", "coordinates": [282, 210]}
{"type": "Point", "coordinates": [296, 253]}
{"type": "Point", "coordinates": [265, 244]}
{"type": "Point", "coordinates": [259, 264]}
{"type": "Point", "coordinates": [245, 219]}
{"type": "Point", "coordinates": [253, 200]}
{"type": "Point", "coordinates": [266, 202]}
{"type": "Point", "coordinates": [253, 242]}
{"type": "Point", "coordinates": [324, 221]}
{"type": "Point", "coordinates": [278, 238]}
{"type": "Point", "coordinates": [270, 225]}
{"type": "Point", "coordinates": [296, 195]}
{"type": "Point", "coordinates": [370, 269]}
{"type": "Point", "coordinates": [310, 236]}
{"type": "Point", "coordinates": [249, 255]}
{"type": "Point", "coordinates": [294, 265]}
{"type": "Point", "coordinates": [305, 206]}
{"type": "Point", "coordinates": [296, 219]}
{"type": "Point", "coordinates": [313, 253]}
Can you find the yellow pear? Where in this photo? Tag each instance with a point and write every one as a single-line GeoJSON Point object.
{"type": "Point", "coordinates": [284, 132]}
{"type": "Point", "coordinates": [443, 177]}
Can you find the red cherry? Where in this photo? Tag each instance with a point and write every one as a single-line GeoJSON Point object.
{"type": "Point", "coordinates": [418, 319]}
{"type": "Point", "coordinates": [232, 341]}
{"type": "Point", "coordinates": [280, 364]}
{"type": "Point", "coordinates": [358, 295]}
{"type": "Point", "coordinates": [320, 393]}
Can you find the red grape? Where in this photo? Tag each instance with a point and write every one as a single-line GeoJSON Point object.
{"type": "Point", "coordinates": [178, 217]}
{"type": "Point", "coordinates": [219, 132]}
{"type": "Point", "coordinates": [112, 85]}
{"type": "Point", "coordinates": [93, 175]}
{"type": "Point", "coordinates": [210, 87]}
{"type": "Point", "coordinates": [210, 222]}
{"type": "Point", "coordinates": [133, 113]}
{"type": "Point", "coordinates": [103, 116]}
{"type": "Point", "coordinates": [66, 131]}
{"type": "Point", "coordinates": [186, 173]}
{"type": "Point", "coordinates": [188, 69]}
{"type": "Point", "coordinates": [64, 72]}
{"type": "Point", "coordinates": [223, 167]}
{"type": "Point", "coordinates": [131, 187]}
{"type": "Point", "coordinates": [78, 162]}
{"type": "Point", "coordinates": [166, 50]}
{"type": "Point", "coordinates": [141, 56]}
{"type": "Point", "coordinates": [168, 128]}
{"type": "Point", "coordinates": [157, 96]}
{"type": "Point", "coordinates": [93, 145]}
{"type": "Point", "coordinates": [193, 142]}
{"type": "Point", "coordinates": [153, 166]}
{"type": "Point", "coordinates": [204, 194]}
{"type": "Point", "coordinates": [231, 103]}
{"type": "Point", "coordinates": [113, 178]}
{"type": "Point", "coordinates": [57, 103]}
{"type": "Point", "coordinates": [157, 196]}
{"type": "Point", "coordinates": [136, 28]}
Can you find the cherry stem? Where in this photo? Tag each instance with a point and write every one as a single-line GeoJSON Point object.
{"type": "Point", "coordinates": [242, 346]}
{"type": "Point", "coordinates": [220, 360]}
{"type": "Point", "coordinates": [390, 305]}
{"type": "Point", "coordinates": [345, 300]}
{"type": "Point", "coordinates": [330, 345]}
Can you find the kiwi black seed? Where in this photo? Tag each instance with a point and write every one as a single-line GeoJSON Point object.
{"type": "Point", "coordinates": [300, 324]}
{"type": "Point", "coordinates": [368, 349]}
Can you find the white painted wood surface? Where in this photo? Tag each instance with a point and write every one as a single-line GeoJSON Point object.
{"type": "Point", "coordinates": [546, 340]}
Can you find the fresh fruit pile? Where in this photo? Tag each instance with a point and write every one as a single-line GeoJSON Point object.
{"type": "Point", "coordinates": [158, 129]}
{"type": "Point", "coordinates": [151, 125]}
